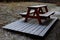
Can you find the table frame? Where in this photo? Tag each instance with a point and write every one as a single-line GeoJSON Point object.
{"type": "Point", "coordinates": [37, 12]}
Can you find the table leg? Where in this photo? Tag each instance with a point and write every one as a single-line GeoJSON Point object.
{"type": "Point", "coordinates": [40, 9]}
{"type": "Point", "coordinates": [38, 17]}
{"type": "Point", "coordinates": [27, 16]}
{"type": "Point", "coordinates": [46, 8]}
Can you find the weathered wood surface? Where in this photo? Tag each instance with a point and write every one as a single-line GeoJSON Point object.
{"type": "Point", "coordinates": [31, 27]}
{"type": "Point", "coordinates": [45, 14]}
{"type": "Point", "coordinates": [48, 13]}
{"type": "Point", "coordinates": [38, 6]}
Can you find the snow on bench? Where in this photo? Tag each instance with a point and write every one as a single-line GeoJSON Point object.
{"type": "Point", "coordinates": [26, 12]}
{"type": "Point", "coordinates": [47, 14]}
{"type": "Point", "coordinates": [44, 15]}
{"type": "Point", "coordinates": [38, 6]}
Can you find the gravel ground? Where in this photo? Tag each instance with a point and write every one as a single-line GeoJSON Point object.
{"type": "Point", "coordinates": [9, 12]}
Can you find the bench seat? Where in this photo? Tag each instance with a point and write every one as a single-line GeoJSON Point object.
{"type": "Point", "coordinates": [47, 14]}
{"type": "Point", "coordinates": [43, 15]}
{"type": "Point", "coordinates": [26, 12]}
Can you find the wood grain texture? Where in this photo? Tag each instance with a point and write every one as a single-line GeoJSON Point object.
{"type": "Point", "coordinates": [31, 27]}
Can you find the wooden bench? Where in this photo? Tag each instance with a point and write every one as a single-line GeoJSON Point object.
{"type": "Point", "coordinates": [25, 13]}
{"type": "Point", "coordinates": [47, 14]}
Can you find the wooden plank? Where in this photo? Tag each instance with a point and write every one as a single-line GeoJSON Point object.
{"type": "Point", "coordinates": [38, 27]}
{"type": "Point", "coordinates": [27, 26]}
{"type": "Point", "coordinates": [19, 25]}
{"type": "Point", "coordinates": [33, 28]}
{"type": "Point", "coordinates": [30, 27]}
{"type": "Point", "coordinates": [39, 30]}
{"type": "Point", "coordinates": [47, 28]}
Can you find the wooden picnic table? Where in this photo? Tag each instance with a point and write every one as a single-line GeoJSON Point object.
{"type": "Point", "coordinates": [37, 10]}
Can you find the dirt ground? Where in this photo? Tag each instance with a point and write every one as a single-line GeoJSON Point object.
{"type": "Point", "coordinates": [9, 12]}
